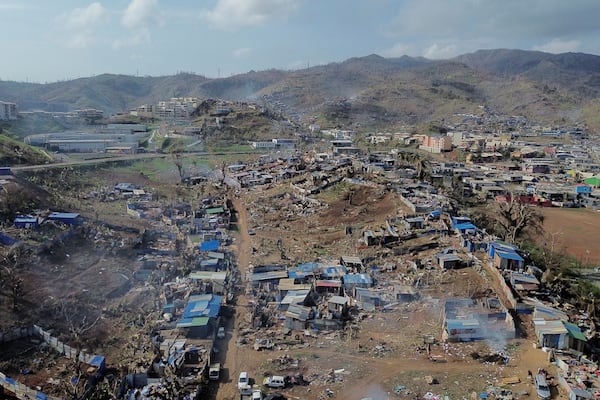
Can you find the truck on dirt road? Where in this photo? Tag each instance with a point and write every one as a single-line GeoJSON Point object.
{"type": "Point", "coordinates": [214, 371]}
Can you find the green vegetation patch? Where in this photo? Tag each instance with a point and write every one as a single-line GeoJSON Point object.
{"type": "Point", "coordinates": [16, 152]}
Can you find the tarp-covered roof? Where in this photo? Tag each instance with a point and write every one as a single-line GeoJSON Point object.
{"type": "Point", "coordinates": [574, 331]}
{"type": "Point", "coordinates": [209, 245]}
{"type": "Point", "coordinates": [202, 306]}
{"type": "Point", "coordinates": [192, 322]}
{"type": "Point", "coordinates": [357, 279]}
{"type": "Point", "coordinates": [509, 255]}
{"type": "Point", "coordinates": [334, 271]}
{"type": "Point", "coordinates": [462, 323]}
{"type": "Point", "coordinates": [337, 300]}
{"type": "Point", "coordinates": [464, 226]}
{"type": "Point", "coordinates": [209, 275]}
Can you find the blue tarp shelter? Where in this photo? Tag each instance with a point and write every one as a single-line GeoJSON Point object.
{"type": "Point", "coordinates": [202, 306]}
{"type": "Point", "coordinates": [464, 226]}
{"type": "Point", "coordinates": [209, 245]}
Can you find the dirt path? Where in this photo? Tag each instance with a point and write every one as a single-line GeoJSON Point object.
{"type": "Point", "coordinates": [237, 358]}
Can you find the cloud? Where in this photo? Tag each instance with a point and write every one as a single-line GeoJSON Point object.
{"type": "Point", "coordinates": [557, 46]}
{"type": "Point", "coordinates": [82, 24]}
{"type": "Point", "coordinates": [141, 14]}
{"type": "Point", "coordinates": [441, 51]}
{"type": "Point", "coordinates": [139, 17]}
{"type": "Point", "coordinates": [397, 50]}
{"type": "Point", "coordinates": [233, 15]}
{"type": "Point", "coordinates": [492, 24]}
{"type": "Point", "coordinates": [241, 52]}
{"type": "Point", "coordinates": [12, 6]}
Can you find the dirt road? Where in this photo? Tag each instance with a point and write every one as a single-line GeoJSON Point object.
{"type": "Point", "coordinates": [236, 359]}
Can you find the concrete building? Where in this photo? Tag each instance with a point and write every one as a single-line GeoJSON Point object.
{"type": "Point", "coordinates": [8, 111]}
{"type": "Point", "coordinates": [436, 144]}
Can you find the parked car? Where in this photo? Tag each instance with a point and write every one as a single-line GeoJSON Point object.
{"type": "Point", "coordinates": [221, 333]}
{"type": "Point", "coordinates": [243, 381]}
{"type": "Point", "coordinates": [275, 381]}
{"type": "Point", "coordinates": [257, 395]}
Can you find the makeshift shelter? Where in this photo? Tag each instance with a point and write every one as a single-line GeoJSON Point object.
{"type": "Point", "coordinates": [551, 333]}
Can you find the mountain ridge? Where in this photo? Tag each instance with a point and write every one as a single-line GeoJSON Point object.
{"type": "Point", "coordinates": [540, 85]}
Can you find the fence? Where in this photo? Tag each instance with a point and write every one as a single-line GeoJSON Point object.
{"type": "Point", "coordinates": [21, 391]}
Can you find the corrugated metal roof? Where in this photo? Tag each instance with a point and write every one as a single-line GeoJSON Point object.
{"type": "Point", "coordinates": [192, 322]}
{"type": "Point", "coordinates": [509, 255]}
{"type": "Point", "coordinates": [546, 327]}
{"type": "Point", "coordinates": [575, 331]}
{"type": "Point", "coordinates": [462, 323]}
{"type": "Point", "coordinates": [202, 306]}
{"type": "Point", "coordinates": [298, 312]}
{"type": "Point", "coordinates": [329, 283]}
{"type": "Point", "coordinates": [351, 260]}
{"type": "Point", "coordinates": [214, 210]}
{"type": "Point", "coordinates": [63, 215]}
{"type": "Point", "coordinates": [269, 275]}
{"type": "Point", "coordinates": [358, 279]}
{"type": "Point", "coordinates": [208, 275]}
{"type": "Point", "coordinates": [338, 300]}
{"type": "Point", "coordinates": [519, 277]}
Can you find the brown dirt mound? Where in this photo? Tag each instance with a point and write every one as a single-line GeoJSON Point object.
{"type": "Point", "coordinates": [370, 203]}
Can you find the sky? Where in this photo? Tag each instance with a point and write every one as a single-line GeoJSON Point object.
{"type": "Point", "coordinates": [54, 40]}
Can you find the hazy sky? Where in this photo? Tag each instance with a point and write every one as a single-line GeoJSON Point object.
{"type": "Point", "coordinates": [49, 40]}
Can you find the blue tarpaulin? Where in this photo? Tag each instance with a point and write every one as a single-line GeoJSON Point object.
{"type": "Point", "coordinates": [205, 306]}
{"type": "Point", "coordinates": [209, 245]}
{"type": "Point", "coordinates": [464, 226]}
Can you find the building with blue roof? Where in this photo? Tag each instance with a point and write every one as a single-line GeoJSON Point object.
{"type": "Point", "coordinates": [333, 271]}
{"type": "Point", "coordinates": [66, 218]}
{"type": "Point", "coordinates": [210, 245]}
{"type": "Point", "coordinates": [200, 315]}
{"type": "Point", "coordinates": [465, 227]}
{"type": "Point", "coordinates": [510, 260]}
{"type": "Point", "coordinates": [25, 221]}
{"type": "Point", "coordinates": [467, 320]}
{"type": "Point", "coordinates": [352, 281]}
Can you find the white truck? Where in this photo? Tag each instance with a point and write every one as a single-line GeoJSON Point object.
{"type": "Point", "coordinates": [214, 371]}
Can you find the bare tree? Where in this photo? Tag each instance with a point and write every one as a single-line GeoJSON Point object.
{"type": "Point", "coordinates": [76, 319]}
{"type": "Point", "coordinates": [513, 217]}
{"type": "Point", "coordinates": [11, 285]}
{"type": "Point", "coordinates": [178, 161]}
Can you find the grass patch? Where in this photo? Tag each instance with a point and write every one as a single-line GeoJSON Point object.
{"type": "Point", "coordinates": [334, 193]}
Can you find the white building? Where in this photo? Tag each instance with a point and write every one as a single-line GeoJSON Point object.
{"type": "Point", "coordinates": [8, 111]}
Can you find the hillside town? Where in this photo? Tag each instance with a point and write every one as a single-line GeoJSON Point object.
{"type": "Point", "coordinates": [262, 262]}
{"type": "Point", "coordinates": [300, 200]}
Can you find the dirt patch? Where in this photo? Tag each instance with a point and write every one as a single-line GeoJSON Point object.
{"type": "Point", "coordinates": [575, 232]}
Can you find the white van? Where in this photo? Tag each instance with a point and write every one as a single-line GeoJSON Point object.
{"type": "Point", "coordinates": [274, 381]}
{"type": "Point", "coordinates": [244, 382]}
{"type": "Point", "coordinates": [541, 387]}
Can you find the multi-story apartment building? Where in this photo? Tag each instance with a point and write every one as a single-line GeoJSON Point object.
{"type": "Point", "coordinates": [436, 144]}
{"type": "Point", "coordinates": [8, 111]}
